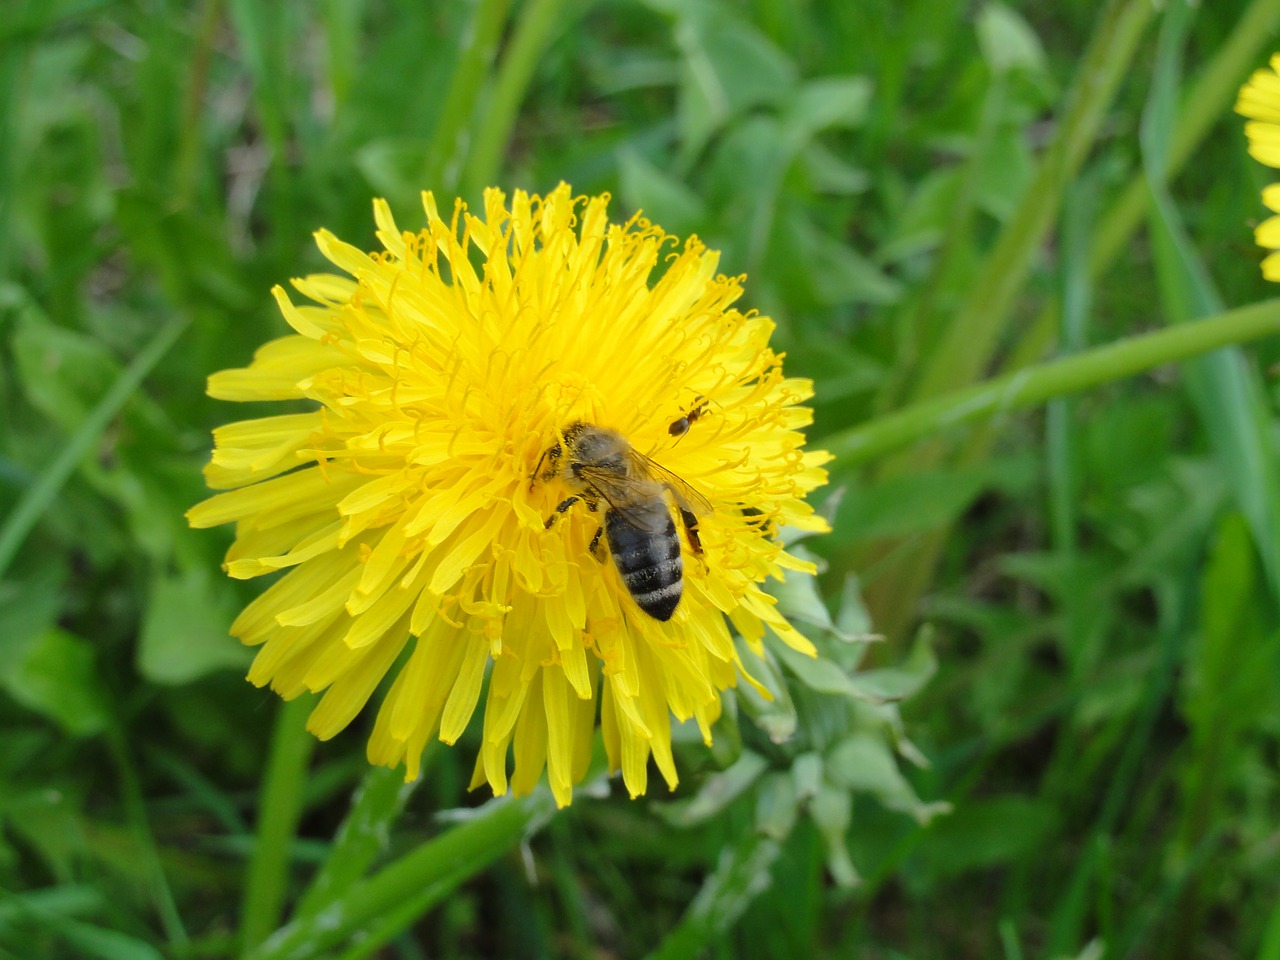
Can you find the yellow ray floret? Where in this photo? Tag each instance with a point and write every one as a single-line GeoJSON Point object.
{"type": "Point", "coordinates": [405, 516]}
{"type": "Point", "coordinates": [1259, 100]}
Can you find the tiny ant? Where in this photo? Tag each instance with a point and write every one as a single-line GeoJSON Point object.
{"type": "Point", "coordinates": [680, 427]}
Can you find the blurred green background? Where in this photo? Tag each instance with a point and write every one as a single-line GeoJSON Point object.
{"type": "Point", "coordinates": [922, 193]}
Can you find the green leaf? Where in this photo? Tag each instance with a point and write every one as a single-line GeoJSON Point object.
{"type": "Point", "coordinates": [830, 173]}
{"type": "Point", "coordinates": [743, 872]}
{"type": "Point", "coordinates": [816, 673]}
{"type": "Point", "coordinates": [865, 762]}
{"type": "Point", "coordinates": [58, 678]}
{"type": "Point", "coordinates": [836, 273]}
{"type": "Point", "coordinates": [92, 942]}
{"type": "Point", "coordinates": [663, 198]}
{"type": "Point", "coordinates": [775, 715]}
{"type": "Point", "coordinates": [716, 792]}
{"type": "Point", "coordinates": [904, 680]}
{"type": "Point", "coordinates": [727, 67]}
{"type": "Point", "coordinates": [806, 773]}
{"type": "Point", "coordinates": [1224, 386]}
{"type": "Point", "coordinates": [29, 605]}
{"type": "Point", "coordinates": [826, 103]}
{"type": "Point", "coordinates": [776, 806]}
{"type": "Point", "coordinates": [832, 812]}
{"type": "Point", "coordinates": [47, 821]}
{"type": "Point", "coordinates": [63, 373]}
{"type": "Point", "coordinates": [924, 501]}
{"type": "Point", "coordinates": [981, 833]}
{"type": "Point", "coordinates": [185, 631]}
{"type": "Point", "coordinates": [1007, 40]}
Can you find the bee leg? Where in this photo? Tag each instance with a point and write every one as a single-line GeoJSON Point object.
{"type": "Point", "coordinates": [595, 545]}
{"type": "Point", "coordinates": [559, 510]}
{"type": "Point", "coordinates": [691, 528]}
{"type": "Point", "coordinates": [551, 453]}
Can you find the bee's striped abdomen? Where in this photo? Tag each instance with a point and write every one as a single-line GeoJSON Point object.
{"type": "Point", "coordinates": [649, 562]}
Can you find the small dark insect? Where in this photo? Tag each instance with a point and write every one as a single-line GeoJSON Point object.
{"type": "Point", "coordinates": [757, 518]}
{"type": "Point", "coordinates": [603, 470]}
{"type": "Point", "coordinates": [680, 427]}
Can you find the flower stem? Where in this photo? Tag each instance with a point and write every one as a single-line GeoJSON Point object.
{"type": "Point", "coordinates": [391, 900]}
{"type": "Point", "coordinates": [532, 34]}
{"type": "Point", "coordinates": [362, 837]}
{"type": "Point", "coordinates": [441, 172]}
{"type": "Point", "coordinates": [279, 809]}
{"type": "Point", "coordinates": [1034, 385]}
{"type": "Point", "coordinates": [742, 874]}
{"type": "Point", "coordinates": [1210, 96]}
{"type": "Point", "coordinates": [966, 347]}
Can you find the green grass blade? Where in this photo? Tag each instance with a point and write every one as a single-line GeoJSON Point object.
{"type": "Point", "coordinates": [442, 169]}
{"type": "Point", "coordinates": [1033, 386]}
{"type": "Point", "coordinates": [38, 497]}
{"type": "Point", "coordinates": [965, 349]}
{"type": "Point", "coordinates": [740, 877]}
{"type": "Point", "coordinates": [538, 25]}
{"type": "Point", "coordinates": [1270, 948]}
{"type": "Point", "coordinates": [362, 837]}
{"type": "Point", "coordinates": [1226, 391]}
{"type": "Point", "coordinates": [135, 807]}
{"type": "Point", "coordinates": [279, 810]}
{"type": "Point", "coordinates": [1210, 98]}
{"type": "Point", "coordinates": [394, 898]}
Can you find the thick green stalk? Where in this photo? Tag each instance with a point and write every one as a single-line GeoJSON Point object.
{"type": "Point", "coordinates": [969, 342]}
{"type": "Point", "coordinates": [533, 33]}
{"type": "Point", "coordinates": [441, 172]}
{"type": "Point", "coordinates": [393, 899]}
{"type": "Point", "coordinates": [279, 810]}
{"type": "Point", "coordinates": [1210, 98]}
{"type": "Point", "coordinates": [742, 874]}
{"type": "Point", "coordinates": [37, 497]}
{"type": "Point", "coordinates": [1034, 385]}
{"type": "Point", "coordinates": [361, 839]}
{"type": "Point", "coordinates": [1215, 87]}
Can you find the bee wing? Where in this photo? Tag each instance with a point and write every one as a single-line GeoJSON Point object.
{"type": "Point", "coordinates": [630, 497]}
{"type": "Point", "coordinates": [688, 498]}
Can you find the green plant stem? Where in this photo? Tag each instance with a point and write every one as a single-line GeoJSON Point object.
{"type": "Point", "coordinates": [1213, 89]}
{"type": "Point", "coordinates": [920, 322]}
{"type": "Point", "coordinates": [1034, 385]}
{"type": "Point", "coordinates": [441, 172]}
{"type": "Point", "coordinates": [533, 33]}
{"type": "Point", "coordinates": [969, 342]}
{"type": "Point", "coordinates": [394, 898]}
{"type": "Point", "coordinates": [188, 160]}
{"type": "Point", "coordinates": [362, 837]}
{"type": "Point", "coordinates": [279, 809]}
{"type": "Point", "coordinates": [1209, 99]}
{"type": "Point", "coordinates": [135, 809]}
{"type": "Point", "coordinates": [37, 497]}
{"type": "Point", "coordinates": [742, 874]}
{"type": "Point", "coordinates": [1270, 946]}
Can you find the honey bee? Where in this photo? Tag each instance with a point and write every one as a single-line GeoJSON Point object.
{"type": "Point", "coordinates": [604, 471]}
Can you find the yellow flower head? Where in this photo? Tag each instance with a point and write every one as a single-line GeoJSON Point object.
{"type": "Point", "coordinates": [1260, 101]}
{"type": "Point", "coordinates": [454, 377]}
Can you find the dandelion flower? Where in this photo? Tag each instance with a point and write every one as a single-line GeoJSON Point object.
{"type": "Point", "coordinates": [412, 530]}
{"type": "Point", "coordinates": [1260, 101]}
